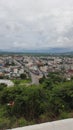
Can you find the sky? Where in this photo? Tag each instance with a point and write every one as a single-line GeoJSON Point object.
{"type": "Point", "coordinates": [36, 24]}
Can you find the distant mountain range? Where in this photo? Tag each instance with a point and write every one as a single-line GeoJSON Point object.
{"type": "Point", "coordinates": [50, 50]}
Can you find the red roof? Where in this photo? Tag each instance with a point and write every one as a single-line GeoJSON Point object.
{"type": "Point", "coordinates": [70, 71]}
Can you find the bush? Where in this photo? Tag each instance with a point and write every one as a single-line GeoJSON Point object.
{"type": "Point", "coordinates": [64, 115]}
{"type": "Point", "coordinates": [2, 86]}
{"type": "Point", "coordinates": [23, 76]}
{"type": "Point", "coordinates": [22, 122]}
{"type": "Point", "coordinates": [4, 123]}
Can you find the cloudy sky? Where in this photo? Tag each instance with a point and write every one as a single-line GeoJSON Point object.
{"type": "Point", "coordinates": [36, 24]}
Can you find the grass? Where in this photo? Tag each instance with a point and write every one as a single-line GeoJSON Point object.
{"type": "Point", "coordinates": [21, 81]}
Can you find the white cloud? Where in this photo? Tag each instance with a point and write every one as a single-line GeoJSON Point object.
{"type": "Point", "coordinates": [36, 24]}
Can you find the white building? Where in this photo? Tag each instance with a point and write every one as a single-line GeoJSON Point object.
{"type": "Point", "coordinates": [7, 82]}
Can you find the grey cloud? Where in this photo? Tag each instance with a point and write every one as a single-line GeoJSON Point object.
{"type": "Point", "coordinates": [36, 24]}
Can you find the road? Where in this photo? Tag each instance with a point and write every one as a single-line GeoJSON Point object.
{"type": "Point", "coordinates": [34, 78]}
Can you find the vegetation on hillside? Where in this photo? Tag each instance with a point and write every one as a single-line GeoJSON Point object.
{"type": "Point", "coordinates": [51, 100]}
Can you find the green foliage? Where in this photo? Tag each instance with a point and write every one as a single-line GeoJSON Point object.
{"type": "Point", "coordinates": [56, 77]}
{"type": "Point", "coordinates": [64, 115]}
{"type": "Point", "coordinates": [35, 104]}
{"type": "Point", "coordinates": [42, 79]}
{"type": "Point", "coordinates": [21, 82]}
{"type": "Point", "coordinates": [23, 76]}
{"type": "Point", "coordinates": [4, 123]}
{"type": "Point", "coordinates": [2, 86]}
{"type": "Point", "coordinates": [22, 122]}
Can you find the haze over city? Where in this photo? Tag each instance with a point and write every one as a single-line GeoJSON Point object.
{"type": "Point", "coordinates": [31, 24]}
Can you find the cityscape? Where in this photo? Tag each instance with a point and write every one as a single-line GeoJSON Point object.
{"type": "Point", "coordinates": [34, 67]}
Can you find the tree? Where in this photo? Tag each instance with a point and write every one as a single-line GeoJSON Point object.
{"type": "Point", "coordinates": [23, 76]}
{"type": "Point", "coordinates": [2, 86]}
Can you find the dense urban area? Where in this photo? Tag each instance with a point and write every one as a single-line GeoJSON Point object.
{"type": "Point", "coordinates": [35, 89]}
{"type": "Point", "coordinates": [34, 67]}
